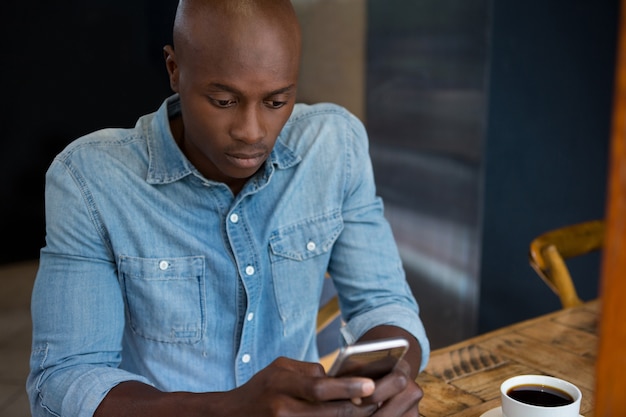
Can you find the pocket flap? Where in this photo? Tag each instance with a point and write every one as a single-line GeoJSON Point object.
{"type": "Point", "coordinates": [307, 239]}
{"type": "Point", "coordinates": [162, 268]}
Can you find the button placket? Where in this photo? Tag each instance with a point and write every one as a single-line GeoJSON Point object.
{"type": "Point", "coordinates": [246, 257]}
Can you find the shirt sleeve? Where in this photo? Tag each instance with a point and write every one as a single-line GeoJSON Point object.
{"type": "Point", "coordinates": [365, 264]}
{"type": "Point", "coordinates": [77, 306]}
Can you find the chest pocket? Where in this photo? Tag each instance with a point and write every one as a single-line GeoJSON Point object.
{"type": "Point", "coordinates": [299, 254]}
{"type": "Point", "coordinates": [164, 297]}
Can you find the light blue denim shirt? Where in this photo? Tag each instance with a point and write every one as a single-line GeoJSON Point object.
{"type": "Point", "coordinates": [153, 273]}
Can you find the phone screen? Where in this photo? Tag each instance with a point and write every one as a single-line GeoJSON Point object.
{"type": "Point", "coordinates": [369, 359]}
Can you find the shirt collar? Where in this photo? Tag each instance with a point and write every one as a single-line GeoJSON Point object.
{"type": "Point", "coordinates": [167, 163]}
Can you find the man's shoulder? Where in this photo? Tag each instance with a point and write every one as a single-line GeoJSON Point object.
{"type": "Point", "coordinates": [324, 128]}
{"type": "Point", "coordinates": [320, 113]}
{"type": "Point", "coordinates": [104, 141]}
{"type": "Point", "coordinates": [327, 120]}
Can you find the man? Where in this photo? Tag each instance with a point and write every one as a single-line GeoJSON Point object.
{"type": "Point", "coordinates": [184, 258]}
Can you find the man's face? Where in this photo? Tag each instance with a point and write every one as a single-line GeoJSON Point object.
{"type": "Point", "coordinates": [237, 90]}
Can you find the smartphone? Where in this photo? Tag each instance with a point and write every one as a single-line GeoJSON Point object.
{"type": "Point", "coordinates": [372, 359]}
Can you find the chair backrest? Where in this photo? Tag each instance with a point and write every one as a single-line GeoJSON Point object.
{"type": "Point", "coordinates": [548, 253]}
{"type": "Point", "coordinates": [328, 313]}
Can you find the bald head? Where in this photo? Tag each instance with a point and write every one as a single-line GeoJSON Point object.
{"type": "Point", "coordinates": [235, 23]}
{"type": "Point", "coordinates": [235, 7]}
{"type": "Point", "coordinates": [213, 38]}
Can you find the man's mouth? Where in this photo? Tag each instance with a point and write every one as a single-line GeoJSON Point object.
{"type": "Point", "coordinates": [246, 161]}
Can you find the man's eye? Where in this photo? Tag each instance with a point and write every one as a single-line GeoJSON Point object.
{"type": "Point", "coordinates": [223, 103]}
{"type": "Point", "coordinates": [275, 104]}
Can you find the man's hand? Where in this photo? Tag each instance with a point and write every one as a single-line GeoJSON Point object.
{"type": "Point", "coordinates": [397, 394]}
{"type": "Point", "coordinates": [289, 387]}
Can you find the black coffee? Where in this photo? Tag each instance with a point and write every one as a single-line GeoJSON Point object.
{"type": "Point", "coordinates": [540, 395]}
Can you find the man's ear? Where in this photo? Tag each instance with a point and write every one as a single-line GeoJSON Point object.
{"type": "Point", "coordinates": [171, 66]}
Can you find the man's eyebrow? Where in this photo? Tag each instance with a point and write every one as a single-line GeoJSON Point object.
{"type": "Point", "coordinates": [270, 93]}
{"type": "Point", "coordinates": [282, 90]}
{"type": "Point", "coordinates": [224, 87]}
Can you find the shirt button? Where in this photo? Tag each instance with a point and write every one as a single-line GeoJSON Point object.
{"type": "Point", "coordinates": [311, 246]}
{"type": "Point", "coordinates": [163, 265]}
{"type": "Point", "coordinates": [234, 218]}
{"type": "Point", "coordinates": [245, 358]}
{"type": "Point", "coordinates": [250, 316]}
{"type": "Point", "coordinates": [249, 270]}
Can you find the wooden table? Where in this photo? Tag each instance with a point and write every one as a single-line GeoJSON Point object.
{"type": "Point", "coordinates": [463, 380]}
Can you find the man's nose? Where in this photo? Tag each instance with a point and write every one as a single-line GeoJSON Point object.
{"type": "Point", "coordinates": [248, 125]}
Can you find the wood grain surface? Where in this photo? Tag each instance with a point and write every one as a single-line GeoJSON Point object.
{"type": "Point", "coordinates": [463, 380]}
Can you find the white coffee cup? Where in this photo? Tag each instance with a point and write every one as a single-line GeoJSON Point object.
{"type": "Point", "coordinates": [515, 408]}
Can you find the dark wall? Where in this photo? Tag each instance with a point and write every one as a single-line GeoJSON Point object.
{"type": "Point", "coordinates": [69, 68]}
{"type": "Point", "coordinates": [427, 69]}
{"type": "Point", "coordinates": [551, 91]}
{"type": "Point", "coordinates": [72, 67]}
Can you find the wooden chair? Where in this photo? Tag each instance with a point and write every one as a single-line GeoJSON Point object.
{"type": "Point", "coordinates": [549, 251]}
{"type": "Point", "coordinates": [327, 313]}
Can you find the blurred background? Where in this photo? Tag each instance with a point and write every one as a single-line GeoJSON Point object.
{"type": "Point", "coordinates": [489, 124]}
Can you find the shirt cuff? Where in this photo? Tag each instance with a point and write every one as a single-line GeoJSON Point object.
{"type": "Point", "coordinates": [88, 389]}
{"type": "Point", "coordinates": [391, 315]}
